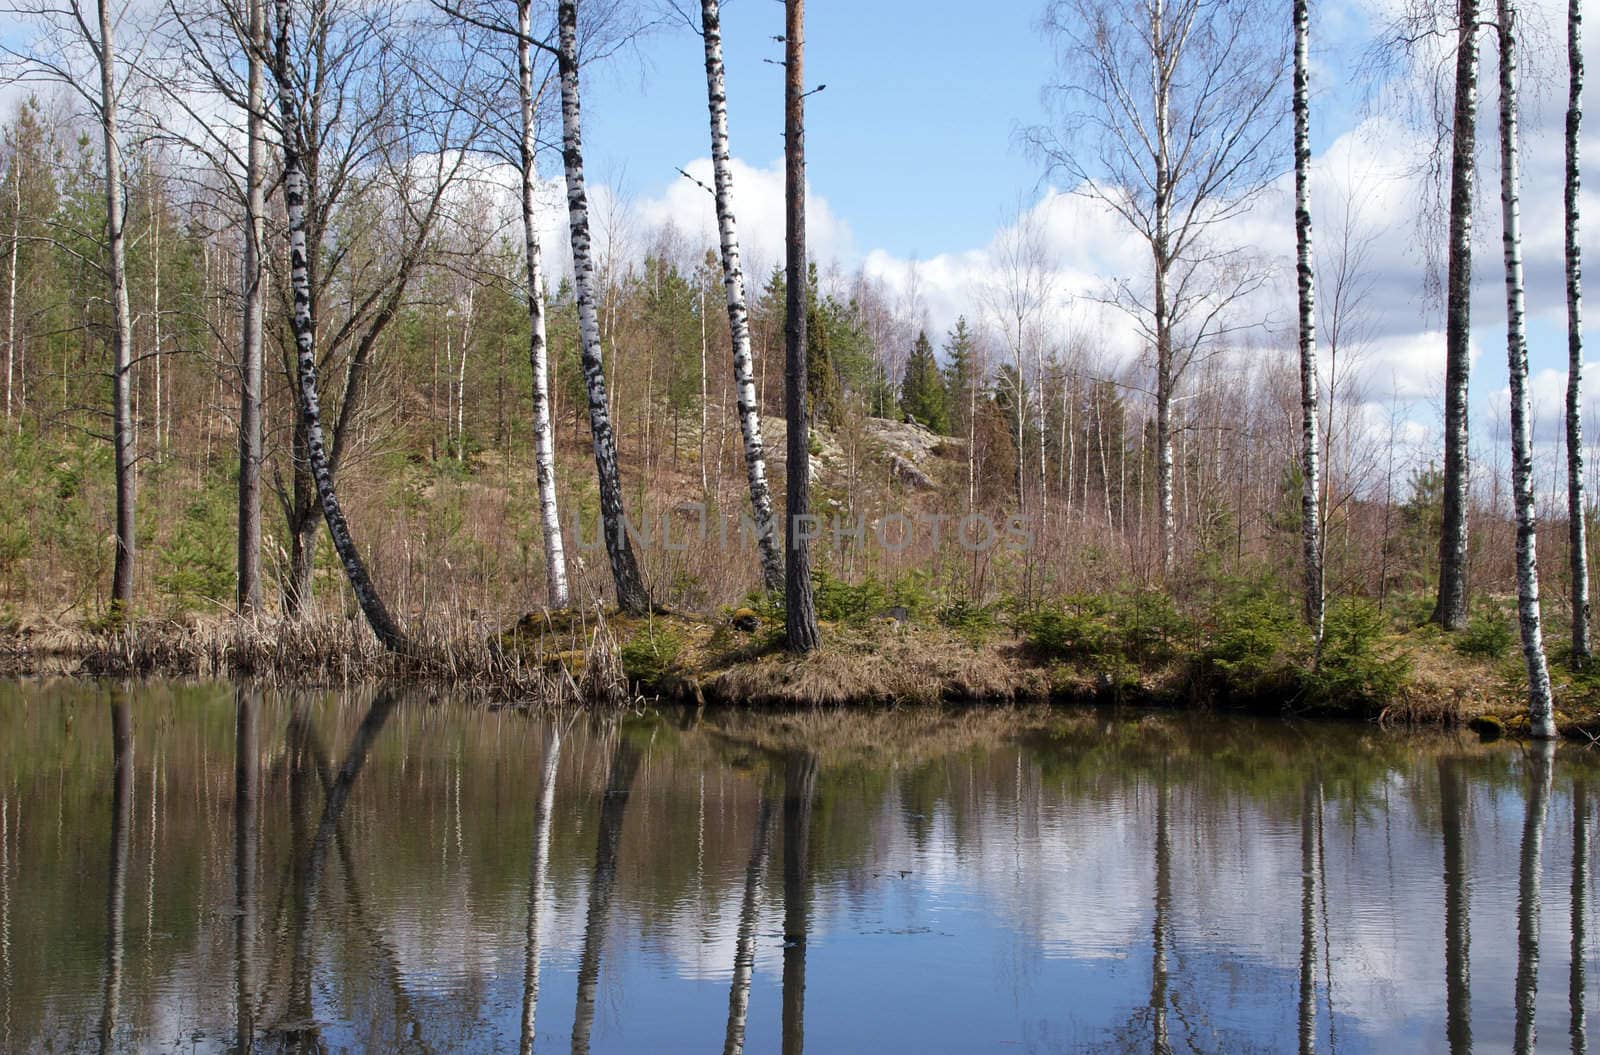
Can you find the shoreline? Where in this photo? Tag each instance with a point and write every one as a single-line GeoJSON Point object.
{"type": "Point", "coordinates": [606, 661]}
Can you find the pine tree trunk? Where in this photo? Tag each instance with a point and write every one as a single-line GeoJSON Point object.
{"type": "Point", "coordinates": [755, 462]}
{"type": "Point", "coordinates": [631, 595]}
{"type": "Point", "coordinates": [295, 190]}
{"type": "Point", "coordinates": [539, 860]}
{"type": "Point", "coordinates": [1451, 610]}
{"type": "Point", "coordinates": [1577, 538]}
{"type": "Point", "coordinates": [800, 610]}
{"type": "Point", "coordinates": [250, 356]}
{"type": "Point", "coordinates": [1539, 702]}
{"type": "Point", "coordinates": [121, 328]}
{"type": "Point", "coordinates": [544, 448]}
{"type": "Point", "coordinates": [1310, 522]}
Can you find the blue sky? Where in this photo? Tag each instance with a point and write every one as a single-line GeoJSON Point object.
{"type": "Point", "coordinates": [913, 156]}
{"type": "Point", "coordinates": [912, 141]}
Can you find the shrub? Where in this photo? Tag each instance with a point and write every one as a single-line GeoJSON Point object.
{"type": "Point", "coordinates": [650, 654]}
{"type": "Point", "coordinates": [1077, 629]}
{"type": "Point", "coordinates": [1355, 670]}
{"type": "Point", "coordinates": [1488, 635]}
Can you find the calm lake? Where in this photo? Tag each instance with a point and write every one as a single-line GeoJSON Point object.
{"type": "Point", "coordinates": [207, 868]}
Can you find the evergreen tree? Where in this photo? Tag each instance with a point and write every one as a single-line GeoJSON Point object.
{"type": "Point", "coordinates": [922, 393]}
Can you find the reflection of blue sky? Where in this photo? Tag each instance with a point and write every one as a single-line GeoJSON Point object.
{"type": "Point", "coordinates": [1028, 928]}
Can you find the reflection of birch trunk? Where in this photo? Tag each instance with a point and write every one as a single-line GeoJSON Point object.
{"type": "Point", "coordinates": [1308, 920]}
{"type": "Point", "coordinates": [246, 779]}
{"type": "Point", "coordinates": [310, 863]}
{"type": "Point", "coordinates": [613, 807]}
{"type": "Point", "coordinates": [799, 788]}
{"type": "Point", "coordinates": [117, 884]}
{"type": "Point", "coordinates": [744, 958]}
{"type": "Point", "coordinates": [1160, 1044]}
{"type": "Point", "coordinates": [1457, 909]}
{"type": "Point", "coordinates": [538, 869]}
{"type": "Point", "coordinates": [1540, 755]}
{"type": "Point", "coordinates": [1580, 912]}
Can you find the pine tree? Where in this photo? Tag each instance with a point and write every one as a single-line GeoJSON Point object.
{"type": "Point", "coordinates": [922, 393]}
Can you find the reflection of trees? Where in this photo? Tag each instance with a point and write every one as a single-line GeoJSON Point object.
{"type": "Point", "coordinates": [1580, 908]}
{"type": "Point", "coordinates": [246, 831]}
{"type": "Point", "coordinates": [744, 958]}
{"type": "Point", "coordinates": [1308, 920]}
{"type": "Point", "coordinates": [799, 789]}
{"type": "Point", "coordinates": [538, 870]}
{"type": "Point", "coordinates": [1160, 1044]}
{"type": "Point", "coordinates": [117, 885]}
{"type": "Point", "coordinates": [613, 808]}
{"type": "Point", "coordinates": [310, 861]}
{"type": "Point", "coordinates": [1457, 923]}
{"type": "Point", "coordinates": [1540, 755]}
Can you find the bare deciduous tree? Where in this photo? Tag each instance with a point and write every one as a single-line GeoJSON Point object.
{"type": "Point", "coordinates": [1167, 114]}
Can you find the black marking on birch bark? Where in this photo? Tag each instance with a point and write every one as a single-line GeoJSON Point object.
{"type": "Point", "coordinates": [295, 192]}
{"type": "Point", "coordinates": [631, 594]}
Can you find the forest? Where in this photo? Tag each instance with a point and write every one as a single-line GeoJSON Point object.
{"type": "Point", "coordinates": [321, 352]}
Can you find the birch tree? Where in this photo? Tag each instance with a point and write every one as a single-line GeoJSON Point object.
{"type": "Point", "coordinates": [1539, 702]}
{"type": "Point", "coordinates": [1450, 611]}
{"type": "Point", "coordinates": [70, 41]}
{"type": "Point", "coordinates": [755, 462]}
{"type": "Point", "coordinates": [1310, 521]}
{"type": "Point", "coordinates": [295, 188]}
{"type": "Point", "coordinates": [253, 317]}
{"type": "Point", "coordinates": [1577, 528]}
{"type": "Point", "coordinates": [1168, 115]}
{"type": "Point", "coordinates": [799, 605]}
{"type": "Point", "coordinates": [555, 561]}
{"type": "Point", "coordinates": [631, 595]}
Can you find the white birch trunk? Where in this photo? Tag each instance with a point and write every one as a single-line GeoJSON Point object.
{"type": "Point", "coordinates": [1160, 252]}
{"type": "Point", "coordinates": [1451, 609]}
{"type": "Point", "coordinates": [544, 447]}
{"type": "Point", "coordinates": [121, 326]}
{"type": "Point", "coordinates": [755, 462]}
{"type": "Point", "coordinates": [250, 373]}
{"type": "Point", "coordinates": [1539, 702]}
{"type": "Point", "coordinates": [1310, 523]}
{"type": "Point", "coordinates": [295, 190]}
{"type": "Point", "coordinates": [1577, 539]}
{"type": "Point", "coordinates": [631, 595]}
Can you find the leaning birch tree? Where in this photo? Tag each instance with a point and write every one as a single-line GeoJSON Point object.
{"type": "Point", "coordinates": [555, 561]}
{"type": "Point", "coordinates": [295, 189]}
{"type": "Point", "coordinates": [631, 594]}
{"type": "Point", "coordinates": [1577, 528]}
{"type": "Point", "coordinates": [1310, 520]}
{"type": "Point", "coordinates": [1540, 707]}
{"type": "Point", "coordinates": [799, 605]}
{"type": "Point", "coordinates": [755, 462]}
{"type": "Point", "coordinates": [1168, 114]}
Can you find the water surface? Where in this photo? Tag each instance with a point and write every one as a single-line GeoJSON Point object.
{"type": "Point", "coordinates": [219, 869]}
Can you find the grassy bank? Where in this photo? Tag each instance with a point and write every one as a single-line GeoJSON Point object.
{"type": "Point", "coordinates": [1240, 646]}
